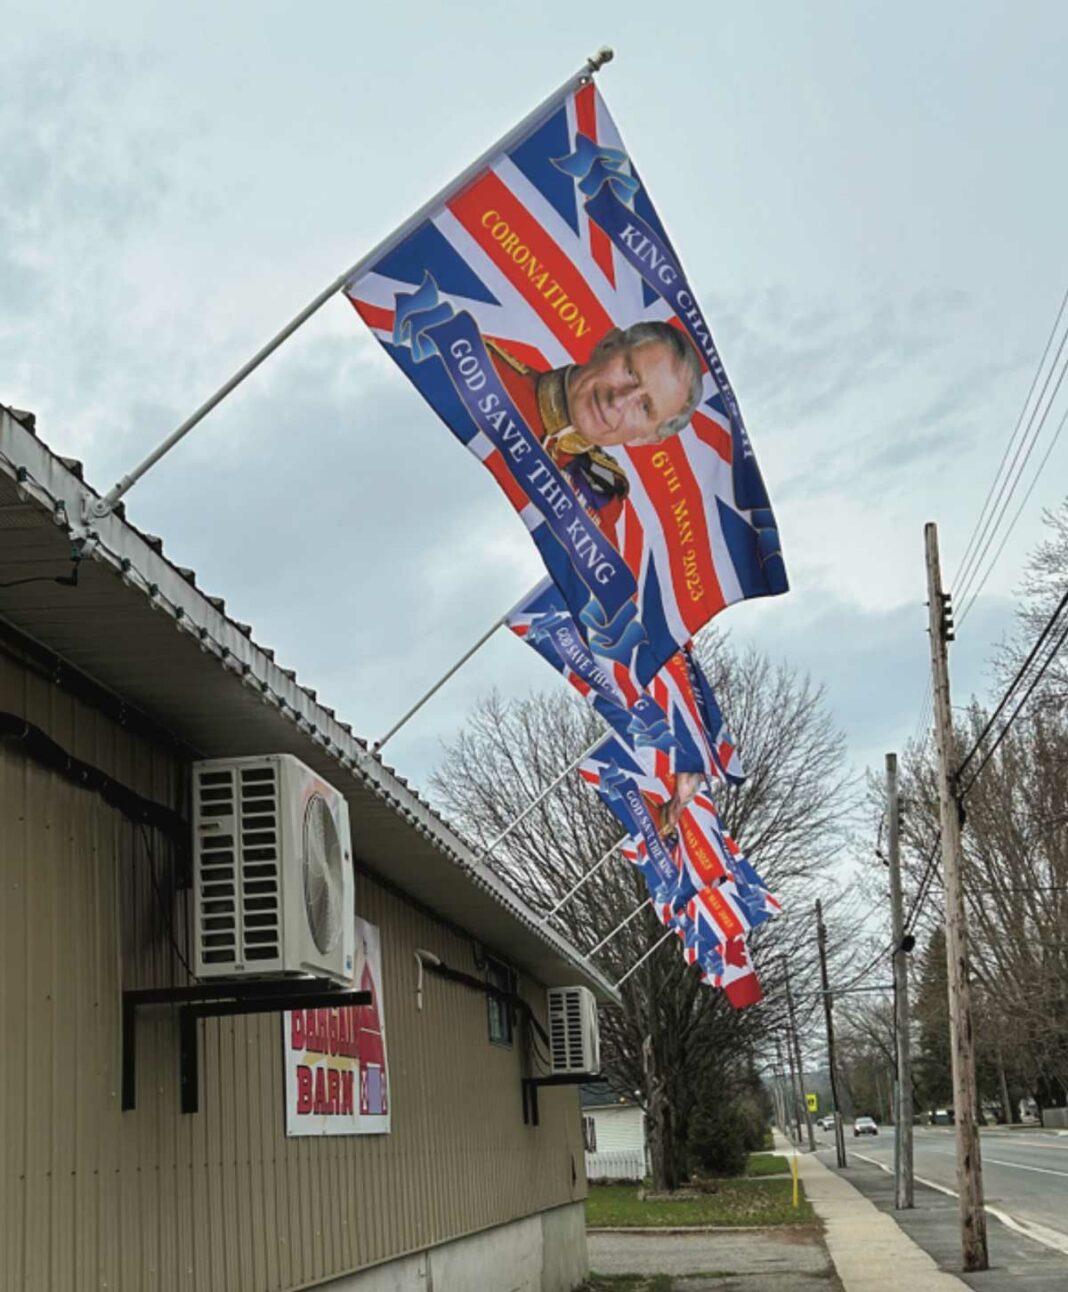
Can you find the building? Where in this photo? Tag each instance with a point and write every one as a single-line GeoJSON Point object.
{"type": "Point", "coordinates": [112, 684]}
{"type": "Point", "coordinates": [613, 1129]}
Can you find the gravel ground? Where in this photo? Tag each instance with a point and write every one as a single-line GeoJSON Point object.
{"type": "Point", "coordinates": [756, 1260]}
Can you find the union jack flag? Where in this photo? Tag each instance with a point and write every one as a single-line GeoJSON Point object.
{"type": "Point", "coordinates": [673, 725]}
{"type": "Point", "coordinates": [527, 274]}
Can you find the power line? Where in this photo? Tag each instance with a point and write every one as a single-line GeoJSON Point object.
{"type": "Point", "coordinates": [982, 534]}
{"type": "Point", "coordinates": [1003, 702]}
{"type": "Point", "coordinates": [970, 558]}
{"type": "Point", "coordinates": [1016, 712]}
{"type": "Point", "coordinates": [977, 588]}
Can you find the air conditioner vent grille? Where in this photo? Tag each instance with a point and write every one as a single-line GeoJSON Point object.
{"type": "Point", "coordinates": [218, 871]}
{"type": "Point", "coordinates": [261, 926]}
{"type": "Point", "coordinates": [573, 1035]}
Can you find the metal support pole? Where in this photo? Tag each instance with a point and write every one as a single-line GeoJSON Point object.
{"type": "Point", "coordinates": [961, 1027]}
{"type": "Point", "coordinates": [619, 927]}
{"type": "Point", "coordinates": [903, 1191]}
{"type": "Point", "coordinates": [97, 508]}
{"type": "Point", "coordinates": [797, 1057]}
{"type": "Point", "coordinates": [638, 963]}
{"type": "Point", "coordinates": [380, 744]}
{"type": "Point", "coordinates": [585, 878]}
{"type": "Point", "coordinates": [541, 797]}
{"type": "Point", "coordinates": [839, 1131]}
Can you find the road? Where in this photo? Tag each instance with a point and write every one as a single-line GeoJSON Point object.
{"type": "Point", "coordinates": [1025, 1172]}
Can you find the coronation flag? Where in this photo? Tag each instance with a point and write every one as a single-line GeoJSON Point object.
{"type": "Point", "coordinates": [673, 725]}
{"type": "Point", "coordinates": [545, 316]}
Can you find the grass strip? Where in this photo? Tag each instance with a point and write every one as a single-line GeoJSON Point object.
{"type": "Point", "coordinates": [767, 1164]}
{"type": "Point", "coordinates": [734, 1203]}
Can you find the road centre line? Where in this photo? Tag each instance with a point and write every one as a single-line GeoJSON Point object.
{"type": "Point", "coordinates": [1018, 1166]}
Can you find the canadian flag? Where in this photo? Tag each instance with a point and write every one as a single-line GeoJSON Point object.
{"type": "Point", "coordinates": [739, 980]}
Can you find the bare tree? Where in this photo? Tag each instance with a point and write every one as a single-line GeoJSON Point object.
{"type": "Point", "coordinates": [673, 1041]}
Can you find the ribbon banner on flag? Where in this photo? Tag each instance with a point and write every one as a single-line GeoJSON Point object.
{"type": "Point", "coordinates": [544, 314]}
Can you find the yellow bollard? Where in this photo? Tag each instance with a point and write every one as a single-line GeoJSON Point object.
{"type": "Point", "coordinates": [793, 1172]}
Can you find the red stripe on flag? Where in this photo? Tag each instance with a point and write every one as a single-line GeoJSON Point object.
{"type": "Point", "coordinates": [711, 433]}
{"type": "Point", "coordinates": [496, 466]}
{"type": "Point", "coordinates": [703, 857]}
{"type": "Point", "coordinates": [586, 120]}
{"type": "Point", "coordinates": [673, 490]}
{"type": "Point", "coordinates": [373, 315]}
{"type": "Point", "coordinates": [720, 913]}
{"type": "Point", "coordinates": [625, 682]}
{"type": "Point", "coordinates": [534, 263]}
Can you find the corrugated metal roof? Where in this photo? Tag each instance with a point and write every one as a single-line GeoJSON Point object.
{"type": "Point", "coordinates": [139, 625]}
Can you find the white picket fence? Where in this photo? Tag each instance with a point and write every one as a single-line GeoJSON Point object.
{"type": "Point", "coordinates": [627, 1164]}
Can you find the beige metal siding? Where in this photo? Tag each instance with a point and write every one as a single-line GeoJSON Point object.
{"type": "Point", "coordinates": [91, 1197]}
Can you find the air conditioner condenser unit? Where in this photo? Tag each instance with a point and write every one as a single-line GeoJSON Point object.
{"type": "Point", "coordinates": [574, 1036]}
{"type": "Point", "coordinates": [274, 892]}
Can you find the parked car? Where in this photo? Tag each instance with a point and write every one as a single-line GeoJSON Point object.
{"type": "Point", "coordinates": [826, 1123]}
{"type": "Point", "coordinates": [865, 1126]}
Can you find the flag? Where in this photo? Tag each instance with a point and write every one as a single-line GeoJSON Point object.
{"type": "Point", "coordinates": [545, 316]}
{"type": "Point", "coordinates": [759, 902]}
{"type": "Point", "coordinates": [674, 834]}
{"type": "Point", "coordinates": [639, 805]}
{"type": "Point", "coordinates": [738, 979]}
{"type": "Point", "coordinates": [676, 717]}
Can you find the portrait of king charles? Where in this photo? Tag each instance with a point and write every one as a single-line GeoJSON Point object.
{"type": "Point", "coordinates": [640, 385]}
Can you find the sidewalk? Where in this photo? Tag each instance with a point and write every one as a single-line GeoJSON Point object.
{"type": "Point", "coordinates": [870, 1251]}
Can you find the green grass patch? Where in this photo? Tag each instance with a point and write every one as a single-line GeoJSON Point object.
{"type": "Point", "coordinates": [734, 1202]}
{"type": "Point", "coordinates": [767, 1164]}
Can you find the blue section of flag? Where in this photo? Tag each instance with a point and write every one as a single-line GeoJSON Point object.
{"type": "Point", "coordinates": [426, 251]}
{"type": "Point", "coordinates": [755, 553]}
{"type": "Point", "coordinates": [534, 158]}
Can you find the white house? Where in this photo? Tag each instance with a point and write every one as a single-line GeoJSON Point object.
{"type": "Point", "coordinates": [613, 1129]}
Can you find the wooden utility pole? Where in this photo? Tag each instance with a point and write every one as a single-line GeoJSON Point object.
{"type": "Point", "coordinates": [793, 1086]}
{"type": "Point", "coordinates": [839, 1131]}
{"type": "Point", "coordinates": [797, 1059]}
{"type": "Point", "coordinates": [903, 1103]}
{"type": "Point", "coordinates": [962, 1037]}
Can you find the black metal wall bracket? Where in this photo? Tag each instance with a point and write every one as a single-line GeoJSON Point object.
{"type": "Point", "coordinates": [216, 1000]}
{"type": "Point", "coordinates": [531, 1085]}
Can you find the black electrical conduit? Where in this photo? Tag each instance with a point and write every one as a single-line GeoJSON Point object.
{"type": "Point", "coordinates": [44, 750]}
{"type": "Point", "coordinates": [511, 998]}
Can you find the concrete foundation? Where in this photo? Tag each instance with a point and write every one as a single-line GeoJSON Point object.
{"type": "Point", "coordinates": [541, 1253]}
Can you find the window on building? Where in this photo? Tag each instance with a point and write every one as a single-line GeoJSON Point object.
{"type": "Point", "coordinates": [500, 1012]}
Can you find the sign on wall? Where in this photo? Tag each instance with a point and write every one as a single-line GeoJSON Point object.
{"type": "Point", "coordinates": [337, 1080]}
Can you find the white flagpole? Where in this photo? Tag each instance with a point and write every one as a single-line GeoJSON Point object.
{"type": "Point", "coordinates": [98, 508]}
{"type": "Point", "coordinates": [587, 876]}
{"type": "Point", "coordinates": [619, 928]}
{"type": "Point", "coordinates": [659, 943]}
{"type": "Point", "coordinates": [541, 797]}
{"type": "Point", "coordinates": [380, 744]}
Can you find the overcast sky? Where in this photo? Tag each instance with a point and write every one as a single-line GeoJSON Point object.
{"type": "Point", "coordinates": [870, 200]}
